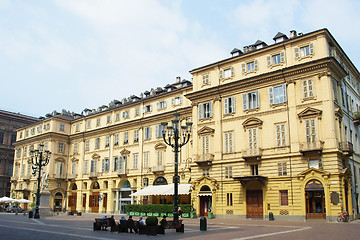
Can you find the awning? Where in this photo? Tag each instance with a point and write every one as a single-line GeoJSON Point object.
{"type": "Point", "coordinates": [204, 194]}
{"type": "Point", "coordinates": [163, 190]}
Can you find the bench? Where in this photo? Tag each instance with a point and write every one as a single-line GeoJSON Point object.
{"type": "Point", "coordinates": [178, 225]}
{"type": "Point", "coordinates": [103, 224]}
{"type": "Point", "coordinates": [125, 226]}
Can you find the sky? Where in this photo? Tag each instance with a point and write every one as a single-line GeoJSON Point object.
{"type": "Point", "coordinates": [77, 54]}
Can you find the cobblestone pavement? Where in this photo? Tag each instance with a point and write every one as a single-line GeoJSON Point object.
{"type": "Point", "coordinates": [80, 227]}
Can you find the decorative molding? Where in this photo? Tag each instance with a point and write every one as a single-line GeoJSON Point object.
{"type": "Point", "coordinates": [252, 122]}
{"type": "Point", "coordinates": [310, 112]}
{"type": "Point", "coordinates": [160, 146]}
{"type": "Point", "coordinates": [95, 156]}
{"type": "Point", "coordinates": [125, 152]}
{"type": "Point", "coordinates": [206, 131]}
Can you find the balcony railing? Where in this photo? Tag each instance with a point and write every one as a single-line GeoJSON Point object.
{"type": "Point", "coordinates": [356, 118]}
{"type": "Point", "coordinates": [59, 176]}
{"type": "Point", "coordinates": [252, 154]}
{"type": "Point", "coordinates": [122, 172]}
{"type": "Point", "coordinates": [26, 177]}
{"type": "Point", "coordinates": [93, 175]}
{"type": "Point", "coordinates": [316, 146]}
{"type": "Point", "coordinates": [204, 159]}
{"type": "Point", "coordinates": [14, 178]}
{"type": "Point", "coordinates": [158, 168]}
{"type": "Point", "coordinates": [72, 176]}
{"type": "Point", "coordinates": [346, 148]}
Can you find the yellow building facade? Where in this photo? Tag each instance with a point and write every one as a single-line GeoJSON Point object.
{"type": "Point", "coordinates": [275, 130]}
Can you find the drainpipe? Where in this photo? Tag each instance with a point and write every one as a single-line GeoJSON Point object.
{"type": "Point", "coordinates": [222, 142]}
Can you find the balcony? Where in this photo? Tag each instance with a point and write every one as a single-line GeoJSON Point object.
{"type": "Point", "coordinates": [14, 179]}
{"type": "Point", "coordinates": [204, 159]}
{"type": "Point", "coordinates": [72, 176]}
{"type": "Point", "coordinates": [59, 176]}
{"type": "Point", "coordinates": [158, 169]}
{"type": "Point", "coordinates": [311, 147]}
{"type": "Point", "coordinates": [346, 148]}
{"type": "Point", "coordinates": [356, 118]}
{"type": "Point", "coordinates": [26, 178]}
{"type": "Point", "coordinates": [252, 154]}
{"type": "Point", "coordinates": [93, 175]}
{"type": "Point", "coordinates": [122, 172]}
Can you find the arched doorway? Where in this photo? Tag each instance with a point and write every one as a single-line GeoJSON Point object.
{"type": "Point", "coordinates": [205, 196]}
{"type": "Point", "coordinates": [315, 200]}
{"type": "Point", "coordinates": [124, 196]}
{"type": "Point", "coordinates": [254, 199]}
{"type": "Point", "coordinates": [94, 198]}
{"type": "Point", "coordinates": [73, 198]}
{"type": "Point", "coordinates": [58, 202]}
{"type": "Point", "coordinates": [160, 181]}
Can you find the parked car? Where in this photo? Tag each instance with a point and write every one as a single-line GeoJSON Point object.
{"type": "Point", "coordinates": [14, 208]}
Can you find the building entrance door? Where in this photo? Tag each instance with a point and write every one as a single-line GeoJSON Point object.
{"type": "Point", "coordinates": [254, 204]}
{"type": "Point", "coordinates": [204, 205]}
{"type": "Point", "coordinates": [94, 202]}
{"type": "Point", "coordinates": [315, 201]}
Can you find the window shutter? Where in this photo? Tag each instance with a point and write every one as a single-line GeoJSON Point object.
{"type": "Point", "coordinates": [282, 56]}
{"type": "Point", "coordinates": [232, 104]}
{"type": "Point", "coordinates": [305, 93]}
{"type": "Point", "coordinates": [103, 165]}
{"type": "Point", "coordinates": [271, 95]}
{"type": "Point", "coordinates": [164, 104]}
{"type": "Point", "coordinates": [243, 68]}
{"type": "Point", "coordinates": [285, 94]}
{"type": "Point", "coordinates": [256, 64]}
{"type": "Point", "coordinates": [210, 109]}
{"type": "Point", "coordinates": [226, 105]}
{"type": "Point", "coordinates": [157, 131]}
{"type": "Point", "coordinates": [150, 107]}
{"type": "Point", "coordinates": [311, 47]}
{"type": "Point", "coordinates": [297, 53]}
{"type": "Point", "coordinates": [257, 99]}
{"type": "Point", "coordinates": [221, 74]}
{"type": "Point", "coordinates": [245, 101]}
{"type": "Point", "coordinates": [310, 88]}
{"type": "Point", "coordinates": [268, 59]}
{"type": "Point", "coordinates": [226, 142]}
{"type": "Point", "coordinates": [143, 109]}
{"type": "Point", "coordinates": [232, 71]}
{"type": "Point", "coordinates": [201, 111]}
{"type": "Point", "coordinates": [231, 142]}
{"type": "Point", "coordinates": [57, 168]}
{"type": "Point", "coordinates": [157, 105]}
{"type": "Point", "coordinates": [172, 101]}
{"type": "Point", "coordinates": [180, 99]}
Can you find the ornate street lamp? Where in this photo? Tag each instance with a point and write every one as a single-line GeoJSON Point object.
{"type": "Point", "coordinates": [172, 137]}
{"type": "Point", "coordinates": [39, 159]}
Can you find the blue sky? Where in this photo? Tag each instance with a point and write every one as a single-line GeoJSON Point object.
{"type": "Point", "coordinates": [76, 54]}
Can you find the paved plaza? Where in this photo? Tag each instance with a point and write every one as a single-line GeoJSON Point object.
{"type": "Point", "coordinates": [80, 227]}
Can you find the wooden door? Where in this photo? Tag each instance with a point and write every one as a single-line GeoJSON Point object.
{"type": "Point", "coordinates": [72, 202]}
{"type": "Point", "coordinates": [204, 205]}
{"type": "Point", "coordinates": [84, 201]}
{"type": "Point", "coordinates": [254, 204]}
{"type": "Point", "coordinates": [94, 202]}
{"type": "Point", "coordinates": [315, 205]}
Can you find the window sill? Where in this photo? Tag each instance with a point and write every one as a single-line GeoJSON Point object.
{"type": "Point", "coordinates": [249, 72]}
{"type": "Point", "coordinates": [304, 57]}
{"type": "Point", "coordinates": [229, 114]}
{"type": "Point", "coordinates": [276, 65]}
{"type": "Point", "coordinates": [205, 119]}
{"type": "Point", "coordinates": [274, 105]}
{"type": "Point", "coordinates": [308, 99]}
{"type": "Point", "coordinates": [251, 110]}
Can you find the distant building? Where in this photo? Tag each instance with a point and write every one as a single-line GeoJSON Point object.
{"type": "Point", "coordinates": [9, 123]}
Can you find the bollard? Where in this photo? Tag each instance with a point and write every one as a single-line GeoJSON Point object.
{"type": "Point", "coordinates": [271, 216]}
{"type": "Point", "coordinates": [203, 224]}
{"type": "Point", "coordinates": [31, 213]}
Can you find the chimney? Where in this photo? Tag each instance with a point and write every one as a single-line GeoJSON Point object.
{"type": "Point", "coordinates": [292, 33]}
{"type": "Point", "coordinates": [178, 79]}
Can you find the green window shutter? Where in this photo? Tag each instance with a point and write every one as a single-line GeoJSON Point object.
{"type": "Point", "coordinates": [282, 56]}
{"type": "Point", "coordinates": [297, 52]}
{"type": "Point", "coordinates": [243, 68]}
{"type": "Point", "coordinates": [268, 60]}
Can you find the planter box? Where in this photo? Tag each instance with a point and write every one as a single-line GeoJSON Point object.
{"type": "Point", "coordinates": [149, 214]}
{"type": "Point", "coordinates": [156, 214]}
{"type": "Point", "coordinates": [131, 213]}
{"type": "Point", "coordinates": [170, 215]}
{"type": "Point", "coordinates": [136, 214]}
{"type": "Point", "coordinates": [185, 215]}
{"type": "Point", "coordinates": [193, 215]}
{"type": "Point", "coordinates": [162, 214]}
{"type": "Point", "coordinates": [143, 214]}
{"type": "Point", "coordinates": [210, 215]}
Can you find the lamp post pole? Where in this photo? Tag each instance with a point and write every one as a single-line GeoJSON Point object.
{"type": "Point", "coordinates": [39, 159]}
{"type": "Point", "coordinates": [172, 137]}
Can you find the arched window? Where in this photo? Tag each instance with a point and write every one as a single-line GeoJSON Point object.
{"type": "Point", "coordinates": [96, 186]}
{"type": "Point", "coordinates": [125, 184]}
{"type": "Point", "coordinates": [58, 194]}
{"type": "Point", "coordinates": [74, 187]}
{"type": "Point", "coordinates": [160, 181]}
{"type": "Point", "coordinates": [205, 188]}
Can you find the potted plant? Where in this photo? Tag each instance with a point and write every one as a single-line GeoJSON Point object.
{"type": "Point", "coordinates": [151, 225]}
{"type": "Point", "coordinates": [210, 213]}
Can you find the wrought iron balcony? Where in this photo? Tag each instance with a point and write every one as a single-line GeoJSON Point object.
{"type": "Point", "coordinates": [204, 159]}
{"type": "Point", "coordinates": [307, 147]}
{"type": "Point", "coordinates": [158, 169]}
{"type": "Point", "coordinates": [252, 154]}
{"type": "Point", "coordinates": [122, 172]}
{"type": "Point", "coordinates": [346, 148]}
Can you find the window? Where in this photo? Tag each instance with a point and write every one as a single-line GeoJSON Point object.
{"type": "Point", "coordinates": [21, 134]}
{"type": "Point", "coordinates": [25, 151]}
{"type": "Point", "coordinates": [252, 134]}
{"type": "Point", "coordinates": [77, 127]}
{"type": "Point", "coordinates": [1, 138]}
{"type": "Point", "coordinates": [32, 131]}
{"type": "Point", "coordinates": [18, 153]}
{"type": "Point", "coordinates": [46, 145]}
{"type": "Point", "coordinates": [87, 145]}
{"type": "Point", "coordinates": [116, 139]}
{"type": "Point", "coordinates": [38, 129]}
{"type": "Point", "coordinates": [160, 158]}
{"type": "Point", "coordinates": [98, 122]}
{"type": "Point", "coordinates": [229, 105]}
{"type": "Point", "coordinates": [284, 198]}
{"type": "Point", "coordinates": [136, 135]}
{"type": "Point", "coordinates": [310, 130]}
{"type": "Point", "coordinates": [228, 172]}
{"type": "Point", "coordinates": [176, 101]}
{"type": "Point", "coordinates": [126, 114]}
{"type": "Point", "coordinates": [105, 165]}
{"type": "Point", "coordinates": [308, 90]}
{"type": "Point", "coordinates": [304, 51]}
{"type": "Point", "coordinates": [205, 110]}
{"type": "Point", "coordinates": [75, 147]}
{"type": "Point", "coordinates": [161, 105]}
{"type": "Point", "coordinates": [280, 135]}
{"type": "Point", "coordinates": [159, 130]}
{"type": "Point", "coordinates": [97, 143]}
{"type": "Point", "coordinates": [226, 73]}
{"type": "Point", "coordinates": [229, 199]}
{"type": "Point", "coordinates": [107, 141]}
{"type": "Point", "coordinates": [277, 94]}
{"type": "Point", "coordinates": [315, 163]}
{"type": "Point", "coordinates": [126, 137]}
{"type": "Point", "coordinates": [282, 168]}
{"type": "Point", "coordinates": [88, 124]}
{"type": "Point", "coordinates": [205, 144]}
{"type": "Point", "coordinates": [254, 170]}
{"type": "Point", "coordinates": [117, 117]}
{"type": "Point", "coordinates": [146, 159]}
{"type": "Point", "coordinates": [147, 133]}
{"type": "Point", "coordinates": [146, 182]}
{"type": "Point", "coordinates": [251, 100]}
{"type": "Point", "coordinates": [61, 147]}
{"type": "Point", "coordinates": [137, 111]}
{"type": "Point", "coordinates": [13, 138]}
{"type": "Point", "coordinates": [123, 162]}
{"type": "Point", "coordinates": [275, 59]}
{"type": "Point", "coordinates": [93, 166]}
{"type": "Point", "coordinates": [73, 168]}
{"type": "Point", "coordinates": [116, 164]}
{"type": "Point", "coordinates": [135, 160]}
{"type": "Point", "coordinates": [59, 168]}
{"type": "Point", "coordinates": [206, 79]}
{"type": "Point", "coordinates": [228, 139]}
{"type": "Point", "coordinates": [62, 127]}
{"type": "Point", "coordinates": [335, 90]}
{"type": "Point", "coordinates": [147, 108]}
{"type": "Point", "coordinates": [26, 133]}
{"type": "Point", "coordinates": [108, 119]}
{"type": "Point", "coordinates": [250, 66]}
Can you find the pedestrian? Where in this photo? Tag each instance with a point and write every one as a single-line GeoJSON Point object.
{"type": "Point", "coordinates": [141, 221]}
{"type": "Point", "coordinates": [123, 218]}
{"type": "Point", "coordinates": [180, 212]}
{"type": "Point", "coordinates": [131, 225]}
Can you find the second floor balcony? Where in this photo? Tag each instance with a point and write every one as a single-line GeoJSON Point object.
{"type": "Point", "coordinates": [122, 172]}
{"type": "Point", "coordinates": [308, 147]}
{"type": "Point", "coordinates": [346, 148]}
{"type": "Point", "coordinates": [72, 176]}
{"type": "Point", "coordinates": [59, 176]}
{"type": "Point", "coordinates": [158, 169]}
{"type": "Point", "coordinates": [204, 159]}
{"type": "Point", "coordinates": [252, 154]}
{"type": "Point", "coordinates": [356, 118]}
{"type": "Point", "coordinates": [14, 179]}
{"type": "Point", "coordinates": [27, 177]}
{"type": "Point", "coordinates": [93, 175]}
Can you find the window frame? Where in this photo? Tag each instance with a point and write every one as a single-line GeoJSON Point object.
{"type": "Point", "coordinates": [251, 100]}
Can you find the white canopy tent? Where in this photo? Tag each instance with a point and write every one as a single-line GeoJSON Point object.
{"type": "Point", "coordinates": [8, 200]}
{"type": "Point", "coordinates": [163, 190]}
